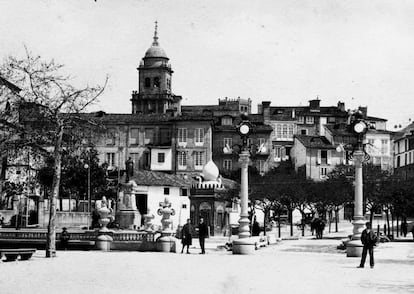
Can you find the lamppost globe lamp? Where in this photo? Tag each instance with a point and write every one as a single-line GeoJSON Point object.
{"type": "Point", "coordinates": [244, 129]}
{"type": "Point", "coordinates": [360, 127]}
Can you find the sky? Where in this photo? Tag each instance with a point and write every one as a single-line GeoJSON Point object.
{"type": "Point", "coordinates": [285, 51]}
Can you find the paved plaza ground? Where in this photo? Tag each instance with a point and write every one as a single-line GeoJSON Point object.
{"type": "Point", "coordinates": [305, 265]}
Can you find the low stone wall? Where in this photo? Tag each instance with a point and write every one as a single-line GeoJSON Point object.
{"type": "Point", "coordinates": [82, 240]}
{"type": "Point", "coordinates": [69, 219]}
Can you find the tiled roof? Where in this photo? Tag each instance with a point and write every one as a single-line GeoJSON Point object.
{"type": "Point", "coordinates": [153, 178]}
{"type": "Point", "coordinates": [285, 112]}
{"type": "Point", "coordinates": [404, 132]}
{"type": "Point", "coordinates": [315, 142]}
{"type": "Point", "coordinates": [126, 118]}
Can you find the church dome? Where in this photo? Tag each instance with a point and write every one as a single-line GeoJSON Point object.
{"type": "Point", "coordinates": [155, 50]}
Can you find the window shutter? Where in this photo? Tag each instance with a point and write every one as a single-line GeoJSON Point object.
{"type": "Point", "coordinates": [318, 160]}
{"type": "Point", "coordinates": [328, 157]}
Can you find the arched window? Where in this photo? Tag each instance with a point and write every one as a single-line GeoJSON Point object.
{"type": "Point", "coordinates": [156, 82]}
{"type": "Point", "coordinates": [147, 82]}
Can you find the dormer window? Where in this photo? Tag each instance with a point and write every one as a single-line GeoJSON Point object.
{"type": "Point", "coordinates": [147, 82]}
{"type": "Point", "coordinates": [156, 82]}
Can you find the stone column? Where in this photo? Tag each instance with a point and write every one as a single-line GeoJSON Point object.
{"type": "Point", "coordinates": [244, 229]}
{"type": "Point", "coordinates": [354, 247]}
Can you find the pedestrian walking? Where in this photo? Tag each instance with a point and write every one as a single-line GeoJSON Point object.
{"type": "Point", "coordinates": [368, 239]}
{"type": "Point", "coordinates": [404, 228]}
{"type": "Point", "coordinates": [64, 238]}
{"type": "Point", "coordinates": [255, 228]}
{"type": "Point", "coordinates": [187, 236]}
{"type": "Point", "coordinates": [202, 235]}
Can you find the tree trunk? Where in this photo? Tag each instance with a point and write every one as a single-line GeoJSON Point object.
{"type": "Point", "coordinates": [388, 222]}
{"type": "Point", "coordinates": [278, 224]}
{"type": "Point", "coordinates": [291, 222]}
{"type": "Point", "coordinates": [336, 219]}
{"type": "Point", "coordinates": [51, 228]}
{"type": "Point", "coordinates": [266, 211]}
{"type": "Point", "coordinates": [398, 231]}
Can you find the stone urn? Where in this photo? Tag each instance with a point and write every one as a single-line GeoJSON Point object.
{"type": "Point", "coordinates": [166, 243]}
{"type": "Point", "coordinates": [104, 240]}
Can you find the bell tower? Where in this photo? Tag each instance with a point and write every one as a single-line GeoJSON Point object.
{"type": "Point", "coordinates": [154, 83]}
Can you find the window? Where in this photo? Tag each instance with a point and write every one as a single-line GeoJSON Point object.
{"type": "Point", "coordinates": [198, 159]}
{"type": "Point", "coordinates": [300, 119]}
{"type": "Point", "coordinates": [147, 82]}
{"type": "Point", "coordinates": [182, 159]}
{"type": "Point", "coordinates": [156, 82]}
{"type": "Point", "coordinates": [304, 132]}
{"type": "Point", "coordinates": [164, 136]}
{"type": "Point", "coordinates": [278, 131]}
{"type": "Point", "coordinates": [110, 159]}
{"type": "Point", "coordinates": [166, 191]}
{"type": "Point", "coordinates": [134, 140]}
{"type": "Point", "coordinates": [110, 136]}
{"type": "Point", "coordinates": [184, 192]}
{"type": "Point", "coordinates": [262, 167]}
{"type": "Point", "coordinates": [261, 141]}
{"type": "Point", "coordinates": [291, 131]}
{"type": "Point", "coordinates": [199, 136]}
{"type": "Point", "coordinates": [309, 120]}
{"type": "Point", "coordinates": [168, 84]}
{"type": "Point", "coordinates": [371, 145]}
{"type": "Point", "coordinates": [182, 135]}
{"type": "Point", "coordinates": [149, 136]}
{"type": "Point", "coordinates": [324, 157]}
{"type": "Point", "coordinates": [227, 144]}
{"type": "Point", "coordinates": [161, 157]}
{"type": "Point", "coordinates": [384, 146]}
{"type": "Point", "coordinates": [323, 172]}
{"type": "Point", "coordinates": [406, 145]}
{"type": "Point", "coordinates": [331, 120]}
{"type": "Point", "coordinates": [280, 153]}
{"type": "Point", "coordinates": [226, 121]}
{"type": "Point", "coordinates": [284, 131]}
{"type": "Point", "coordinates": [227, 164]}
{"type": "Point", "coordinates": [398, 161]}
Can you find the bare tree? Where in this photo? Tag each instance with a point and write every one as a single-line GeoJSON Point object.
{"type": "Point", "coordinates": [48, 107]}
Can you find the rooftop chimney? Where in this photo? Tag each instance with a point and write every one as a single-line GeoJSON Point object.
{"type": "Point", "coordinates": [266, 110]}
{"type": "Point", "coordinates": [314, 105]}
{"type": "Point", "coordinates": [341, 106]}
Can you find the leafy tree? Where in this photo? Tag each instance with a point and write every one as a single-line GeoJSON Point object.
{"type": "Point", "coordinates": [49, 110]}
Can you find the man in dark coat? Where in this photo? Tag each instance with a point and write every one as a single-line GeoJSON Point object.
{"type": "Point", "coordinates": [186, 236]}
{"type": "Point", "coordinates": [368, 239]}
{"type": "Point", "coordinates": [64, 238]}
{"type": "Point", "coordinates": [202, 234]}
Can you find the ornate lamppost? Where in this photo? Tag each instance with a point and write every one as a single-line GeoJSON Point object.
{"type": "Point", "coordinates": [358, 127]}
{"type": "Point", "coordinates": [244, 245]}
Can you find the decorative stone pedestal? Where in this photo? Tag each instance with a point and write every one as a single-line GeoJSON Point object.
{"type": "Point", "coordinates": [244, 246]}
{"type": "Point", "coordinates": [103, 242]}
{"type": "Point", "coordinates": [166, 244]}
{"type": "Point", "coordinates": [354, 249]}
{"type": "Point", "coordinates": [128, 216]}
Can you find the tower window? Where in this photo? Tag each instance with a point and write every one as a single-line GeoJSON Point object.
{"type": "Point", "coordinates": [147, 82]}
{"type": "Point", "coordinates": [156, 82]}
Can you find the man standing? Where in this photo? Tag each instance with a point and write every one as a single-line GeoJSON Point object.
{"type": "Point", "coordinates": [186, 236]}
{"type": "Point", "coordinates": [202, 234]}
{"type": "Point", "coordinates": [368, 239]}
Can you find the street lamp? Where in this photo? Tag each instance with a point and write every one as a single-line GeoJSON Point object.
{"type": "Point", "coordinates": [358, 127]}
{"type": "Point", "coordinates": [244, 129]}
{"type": "Point", "coordinates": [87, 166]}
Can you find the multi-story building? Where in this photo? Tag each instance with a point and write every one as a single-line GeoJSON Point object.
{"type": "Point", "coordinates": [404, 152]}
{"type": "Point", "coordinates": [289, 121]}
{"type": "Point", "coordinates": [226, 139]}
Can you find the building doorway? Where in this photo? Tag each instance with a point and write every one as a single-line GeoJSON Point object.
{"type": "Point", "coordinates": [141, 201]}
